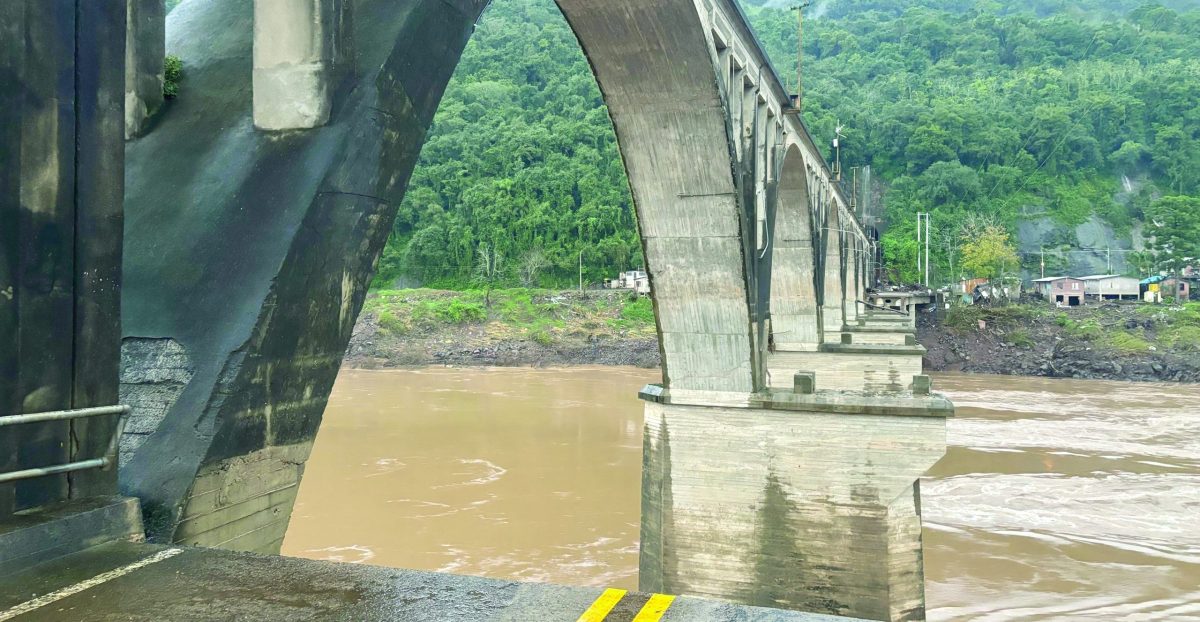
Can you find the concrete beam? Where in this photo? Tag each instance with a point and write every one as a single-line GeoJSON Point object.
{"type": "Point", "coordinates": [851, 367]}
{"type": "Point", "coordinates": [145, 52]}
{"type": "Point", "coordinates": [800, 501]}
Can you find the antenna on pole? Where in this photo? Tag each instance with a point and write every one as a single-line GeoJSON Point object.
{"type": "Point", "coordinates": [799, 9]}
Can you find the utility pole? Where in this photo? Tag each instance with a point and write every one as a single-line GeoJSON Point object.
{"type": "Point", "coordinates": [799, 9]}
{"type": "Point", "coordinates": [1110, 259]}
{"type": "Point", "coordinates": [923, 218]}
{"type": "Point", "coordinates": [837, 149]}
{"type": "Point", "coordinates": [927, 221]}
{"type": "Point", "coordinates": [1043, 262]}
{"type": "Point", "coordinates": [854, 192]}
{"type": "Point", "coordinates": [581, 272]}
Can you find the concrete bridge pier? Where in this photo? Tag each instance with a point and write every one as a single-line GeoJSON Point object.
{"type": "Point", "coordinates": [853, 281]}
{"type": "Point", "coordinates": [145, 53]}
{"type": "Point", "coordinates": [833, 305]}
{"type": "Point", "coordinates": [797, 499]}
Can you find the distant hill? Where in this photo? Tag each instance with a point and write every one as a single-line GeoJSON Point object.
{"type": "Point", "coordinates": [1061, 120]}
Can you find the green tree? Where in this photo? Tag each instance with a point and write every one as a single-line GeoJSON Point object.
{"type": "Point", "coordinates": [1173, 227]}
{"type": "Point", "coordinates": [989, 255]}
{"type": "Point", "coordinates": [489, 270]}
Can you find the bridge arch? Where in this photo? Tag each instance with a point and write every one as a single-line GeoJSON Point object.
{"type": "Point", "coordinates": [794, 316]}
{"type": "Point", "coordinates": [249, 253]}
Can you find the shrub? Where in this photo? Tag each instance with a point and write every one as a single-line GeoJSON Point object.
{"type": "Point", "coordinates": [1021, 338]}
{"type": "Point", "coordinates": [392, 324]}
{"type": "Point", "coordinates": [1128, 343]}
{"type": "Point", "coordinates": [1087, 329]}
{"type": "Point", "coordinates": [448, 311]}
{"type": "Point", "coordinates": [1181, 338]}
{"type": "Point", "coordinates": [542, 336]}
{"type": "Point", "coordinates": [172, 75]}
{"type": "Point", "coordinates": [640, 311]}
{"type": "Point", "coordinates": [964, 317]}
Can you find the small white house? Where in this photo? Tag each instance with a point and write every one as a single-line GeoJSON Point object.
{"type": "Point", "coordinates": [636, 280]}
{"type": "Point", "coordinates": [1111, 287]}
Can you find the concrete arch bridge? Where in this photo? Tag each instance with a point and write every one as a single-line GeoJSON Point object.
{"type": "Point", "coordinates": [256, 206]}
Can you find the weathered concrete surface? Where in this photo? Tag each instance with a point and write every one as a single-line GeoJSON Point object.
{"type": "Point", "coordinates": [64, 528]}
{"type": "Point", "coordinates": [145, 53]}
{"type": "Point", "coordinates": [154, 372]}
{"type": "Point", "coordinates": [855, 367]}
{"type": "Point", "coordinates": [833, 301]}
{"type": "Point", "coordinates": [880, 335]}
{"type": "Point", "coordinates": [796, 503]}
{"type": "Point", "coordinates": [884, 319]}
{"type": "Point", "coordinates": [853, 264]}
{"type": "Point", "coordinates": [794, 317]}
{"type": "Point", "coordinates": [252, 252]}
{"type": "Point", "coordinates": [198, 585]}
{"type": "Point", "coordinates": [301, 48]}
{"type": "Point", "coordinates": [61, 135]}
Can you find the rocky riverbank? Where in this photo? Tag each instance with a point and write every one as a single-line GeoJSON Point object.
{"type": "Point", "coordinates": [1108, 341]}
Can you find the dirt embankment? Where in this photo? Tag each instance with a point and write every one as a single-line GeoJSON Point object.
{"type": "Point", "coordinates": [1104, 341]}
{"type": "Point", "coordinates": [554, 328]}
{"type": "Point", "coordinates": [513, 328]}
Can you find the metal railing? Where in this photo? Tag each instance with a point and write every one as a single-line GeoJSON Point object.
{"type": "Point", "coordinates": [110, 456]}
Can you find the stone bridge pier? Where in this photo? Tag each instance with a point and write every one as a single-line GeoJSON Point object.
{"type": "Point", "coordinates": [784, 445]}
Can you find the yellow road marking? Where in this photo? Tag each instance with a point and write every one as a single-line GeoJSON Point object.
{"type": "Point", "coordinates": [602, 606]}
{"type": "Point", "coordinates": [655, 608]}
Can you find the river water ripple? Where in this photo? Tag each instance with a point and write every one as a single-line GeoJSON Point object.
{"type": "Point", "coordinates": [1058, 499]}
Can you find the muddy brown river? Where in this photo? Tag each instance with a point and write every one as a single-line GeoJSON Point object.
{"type": "Point", "coordinates": [1058, 499]}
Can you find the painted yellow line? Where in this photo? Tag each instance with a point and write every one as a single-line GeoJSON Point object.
{"type": "Point", "coordinates": [655, 608]}
{"type": "Point", "coordinates": [602, 605]}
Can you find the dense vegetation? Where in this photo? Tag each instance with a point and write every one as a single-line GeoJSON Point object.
{"type": "Point", "coordinates": [1006, 112]}
{"type": "Point", "coordinates": [521, 160]}
{"type": "Point", "coordinates": [980, 112]}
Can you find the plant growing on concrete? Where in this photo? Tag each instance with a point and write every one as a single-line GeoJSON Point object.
{"type": "Point", "coordinates": [172, 75]}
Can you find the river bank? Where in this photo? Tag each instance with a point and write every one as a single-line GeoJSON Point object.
{"type": "Point", "coordinates": [547, 328]}
{"type": "Point", "coordinates": [508, 328]}
{"type": "Point", "coordinates": [1109, 341]}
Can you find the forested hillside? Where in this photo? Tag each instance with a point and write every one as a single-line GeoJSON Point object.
{"type": "Point", "coordinates": [1050, 112]}
{"type": "Point", "coordinates": [1020, 113]}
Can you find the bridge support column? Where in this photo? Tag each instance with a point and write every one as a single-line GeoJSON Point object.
{"type": "Point", "coordinates": [853, 293]}
{"type": "Point", "coordinates": [61, 186]}
{"type": "Point", "coordinates": [299, 48]}
{"type": "Point", "coordinates": [791, 499]}
{"type": "Point", "coordinates": [145, 51]}
{"type": "Point", "coordinates": [833, 311]}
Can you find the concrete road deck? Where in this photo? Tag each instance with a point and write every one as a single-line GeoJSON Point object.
{"type": "Point", "coordinates": [136, 582]}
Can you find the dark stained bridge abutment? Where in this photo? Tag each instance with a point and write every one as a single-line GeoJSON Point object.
{"type": "Point", "coordinates": [253, 229]}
